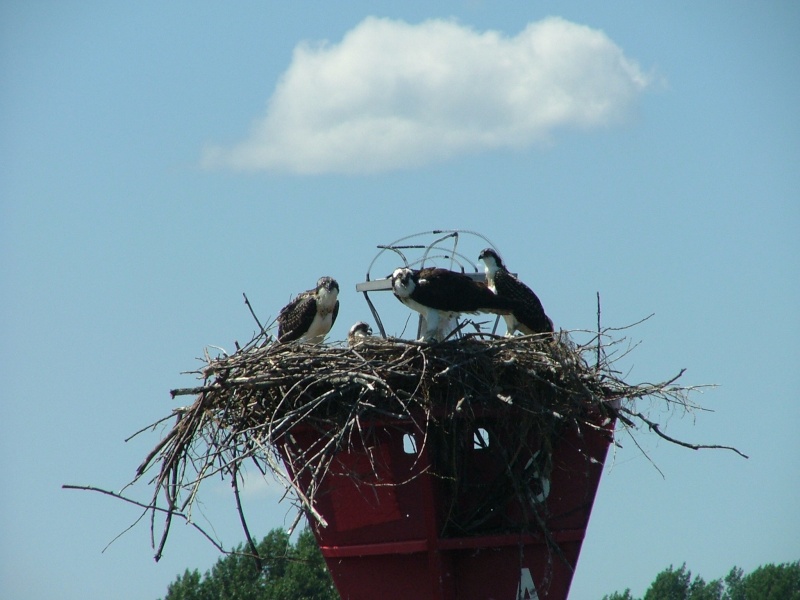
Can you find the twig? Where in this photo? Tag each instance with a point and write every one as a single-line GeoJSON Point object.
{"type": "Point", "coordinates": [252, 545]}
{"type": "Point", "coordinates": [657, 429]}
{"type": "Point", "coordinates": [150, 507]}
{"type": "Point", "coordinates": [597, 364]}
{"type": "Point", "coordinates": [252, 312]}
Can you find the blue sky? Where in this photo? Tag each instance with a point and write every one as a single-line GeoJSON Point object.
{"type": "Point", "coordinates": [157, 160]}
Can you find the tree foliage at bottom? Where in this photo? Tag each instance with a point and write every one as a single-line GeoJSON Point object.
{"type": "Point", "coordinates": [768, 582]}
{"type": "Point", "coordinates": [289, 572]}
{"type": "Point", "coordinates": [298, 572]}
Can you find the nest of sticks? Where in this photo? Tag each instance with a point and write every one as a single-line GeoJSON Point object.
{"type": "Point", "coordinates": [249, 402]}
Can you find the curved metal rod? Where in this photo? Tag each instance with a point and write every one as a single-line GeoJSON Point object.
{"type": "Point", "coordinates": [395, 246]}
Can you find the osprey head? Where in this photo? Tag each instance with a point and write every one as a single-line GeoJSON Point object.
{"type": "Point", "coordinates": [403, 283]}
{"type": "Point", "coordinates": [328, 284]}
{"type": "Point", "coordinates": [491, 259]}
{"type": "Point", "coordinates": [327, 294]}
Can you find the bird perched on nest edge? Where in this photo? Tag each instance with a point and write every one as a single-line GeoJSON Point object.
{"type": "Point", "coordinates": [441, 295]}
{"type": "Point", "coordinates": [310, 316]}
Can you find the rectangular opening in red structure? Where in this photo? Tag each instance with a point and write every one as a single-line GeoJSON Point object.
{"type": "Point", "coordinates": [470, 515]}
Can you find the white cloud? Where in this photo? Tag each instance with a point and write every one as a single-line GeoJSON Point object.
{"type": "Point", "coordinates": [392, 95]}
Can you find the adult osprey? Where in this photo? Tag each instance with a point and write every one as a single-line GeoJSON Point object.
{"type": "Point", "coordinates": [358, 333]}
{"type": "Point", "coordinates": [528, 316]}
{"type": "Point", "coordinates": [440, 296]}
{"type": "Point", "coordinates": [310, 316]}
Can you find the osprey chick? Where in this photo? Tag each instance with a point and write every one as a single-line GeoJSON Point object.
{"type": "Point", "coordinates": [310, 316]}
{"type": "Point", "coordinates": [358, 333]}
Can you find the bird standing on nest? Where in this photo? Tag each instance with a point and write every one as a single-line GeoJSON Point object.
{"type": "Point", "coordinates": [310, 316]}
{"type": "Point", "coordinates": [528, 316]}
{"type": "Point", "coordinates": [440, 296]}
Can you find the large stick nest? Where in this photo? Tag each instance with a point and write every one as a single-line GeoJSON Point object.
{"type": "Point", "coordinates": [251, 400]}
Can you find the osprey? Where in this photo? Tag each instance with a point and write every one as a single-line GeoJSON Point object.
{"type": "Point", "coordinates": [358, 333]}
{"type": "Point", "coordinates": [310, 316]}
{"type": "Point", "coordinates": [440, 296]}
{"type": "Point", "coordinates": [529, 316]}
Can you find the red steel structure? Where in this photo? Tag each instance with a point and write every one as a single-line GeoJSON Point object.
{"type": "Point", "coordinates": [395, 524]}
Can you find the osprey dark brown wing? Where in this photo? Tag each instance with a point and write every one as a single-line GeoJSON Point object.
{"type": "Point", "coordinates": [529, 311]}
{"type": "Point", "coordinates": [296, 317]}
{"type": "Point", "coordinates": [451, 291]}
